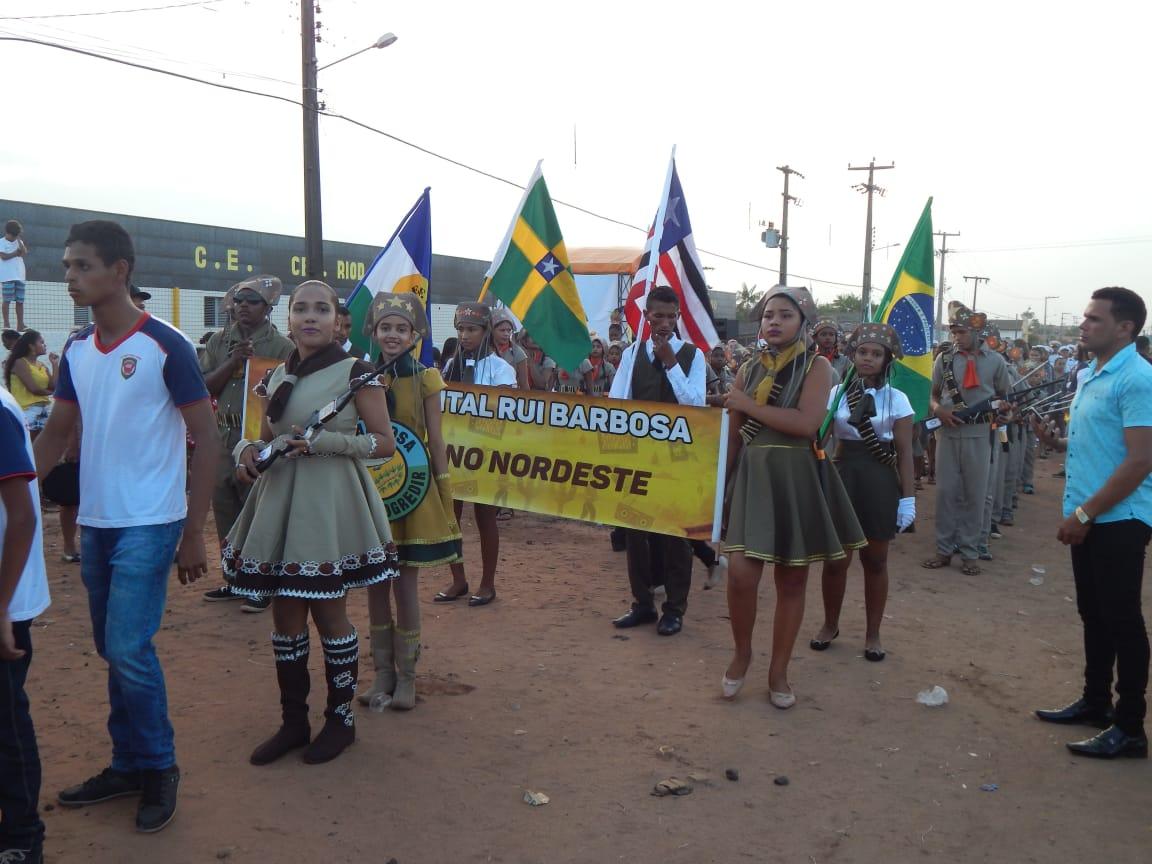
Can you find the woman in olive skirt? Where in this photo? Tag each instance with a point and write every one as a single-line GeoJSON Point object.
{"type": "Point", "coordinates": [314, 525]}
{"type": "Point", "coordinates": [788, 507]}
{"type": "Point", "coordinates": [874, 424]}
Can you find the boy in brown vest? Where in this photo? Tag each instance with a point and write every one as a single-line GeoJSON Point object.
{"type": "Point", "coordinates": [661, 368]}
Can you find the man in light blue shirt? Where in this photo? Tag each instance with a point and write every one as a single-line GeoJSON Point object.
{"type": "Point", "coordinates": [1108, 523]}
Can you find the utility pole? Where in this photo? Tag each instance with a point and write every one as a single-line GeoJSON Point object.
{"type": "Point", "coordinates": [788, 171]}
{"type": "Point", "coordinates": [1046, 299]}
{"type": "Point", "coordinates": [313, 221]}
{"type": "Point", "coordinates": [975, 280]}
{"type": "Point", "coordinates": [944, 235]}
{"type": "Point", "coordinates": [868, 188]}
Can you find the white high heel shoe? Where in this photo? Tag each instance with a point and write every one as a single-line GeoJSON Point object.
{"type": "Point", "coordinates": [783, 701]}
{"type": "Point", "coordinates": [729, 687]}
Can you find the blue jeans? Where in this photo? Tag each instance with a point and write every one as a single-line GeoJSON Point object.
{"type": "Point", "coordinates": [20, 825]}
{"type": "Point", "coordinates": [126, 573]}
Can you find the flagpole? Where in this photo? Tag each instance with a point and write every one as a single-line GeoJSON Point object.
{"type": "Point", "coordinates": [507, 241]}
{"type": "Point", "coordinates": [657, 236]}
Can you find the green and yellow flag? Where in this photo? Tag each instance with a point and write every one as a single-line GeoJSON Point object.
{"type": "Point", "coordinates": [532, 277]}
{"type": "Point", "coordinates": [908, 306]}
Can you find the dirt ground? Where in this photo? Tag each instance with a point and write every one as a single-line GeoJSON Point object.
{"type": "Point", "coordinates": [539, 692]}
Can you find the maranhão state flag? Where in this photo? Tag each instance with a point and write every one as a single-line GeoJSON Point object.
{"type": "Point", "coordinates": [404, 265]}
{"type": "Point", "coordinates": [670, 258]}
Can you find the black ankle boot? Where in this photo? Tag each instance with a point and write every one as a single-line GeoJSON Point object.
{"type": "Point", "coordinates": [341, 667]}
{"type": "Point", "coordinates": [292, 675]}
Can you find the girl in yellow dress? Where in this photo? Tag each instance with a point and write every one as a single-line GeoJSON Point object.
{"type": "Point", "coordinates": [426, 533]}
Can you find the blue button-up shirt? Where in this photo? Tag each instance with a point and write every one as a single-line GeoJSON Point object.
{"type": "Point", "coordinates": [1107, 402]}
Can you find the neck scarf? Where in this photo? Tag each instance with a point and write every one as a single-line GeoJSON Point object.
{"type": "Point", "coordinates": [405, 367]}
{"type": "Point", "coordinates": [971, 379]}
{"type": "Point", "coordinates": [774, 363]}
{"type": "Point", "coordinates": [295, 369]}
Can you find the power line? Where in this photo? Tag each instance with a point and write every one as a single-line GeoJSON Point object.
{"type": "Point", "coordinates": [137, 52]}
{"type": "Point", "coordinates": [1072, 244]}
{"type": "Point", "coordinates": [110, 11]}
{"type": "Point", "coordinates": [366, 126]}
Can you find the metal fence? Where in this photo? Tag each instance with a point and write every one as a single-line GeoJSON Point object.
{"type": "Point", "coordinates": [50, 310]}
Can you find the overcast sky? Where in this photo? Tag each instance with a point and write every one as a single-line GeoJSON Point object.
{"type": "Point", "coordinates": [1026, 121]}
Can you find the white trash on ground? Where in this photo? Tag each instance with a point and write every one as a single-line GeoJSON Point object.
{"type": "Point", "coordinates": [933, 698]}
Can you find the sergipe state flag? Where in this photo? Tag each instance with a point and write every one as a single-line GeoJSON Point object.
{"type": "Point", "coordinates": [677, 265]}
{"type": "Point", "coordinates": [403, 265]}
{"type": "Point", "coordinates": [908, 306]}
{"type": "Point", "coordinates": [531, 274]}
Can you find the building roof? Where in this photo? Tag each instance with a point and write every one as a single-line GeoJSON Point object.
{"type": "Point", "coordinates": [601, 260]}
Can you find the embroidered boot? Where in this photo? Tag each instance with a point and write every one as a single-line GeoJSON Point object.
{"type": "Point", "coordinates": [291, 654]}
{"type": "Point", "coordinates": [341, 665]}
{"type": "Point", "coordinates": [383, 658]}
{"type": "Point", "coordinates": [407, 653]}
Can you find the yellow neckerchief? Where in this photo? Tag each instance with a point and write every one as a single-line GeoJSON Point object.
{"type": "Point", "coordinates": [773, 363]}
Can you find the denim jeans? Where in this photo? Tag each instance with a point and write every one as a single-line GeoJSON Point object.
{"type": "Point", "coordinates": [20, 827]}
{"type": "Point", "coordinates": [126, 572]}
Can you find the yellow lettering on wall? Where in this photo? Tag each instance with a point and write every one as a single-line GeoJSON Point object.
{"type": "Point", "coordinates": [200, 257]}
{"type": "Point", "coordinates": [297, 265]}
{"type": "Point", "coordinates": [339, 269]}
{"type": "Point", "coordinates": [233, 259]}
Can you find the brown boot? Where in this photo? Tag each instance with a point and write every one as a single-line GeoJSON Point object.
{"type": "Point", "coordinates": [292, 674]}
{"type": "Point", "coordinates": [341, 666]}
{"type": "Point", "coordinates": [383, 658]}
{"type": "Point", "coordinates": [407, 653]}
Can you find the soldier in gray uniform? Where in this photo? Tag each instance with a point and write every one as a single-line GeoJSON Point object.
{"type": "Point", "coordinates": [224, 364]}
{"type": "Point", "coordinates": [1001, 456]}
{"type": "Point", "coordinates": [827, 336]}
{"type": "Point", "coordinates": [965, 378]}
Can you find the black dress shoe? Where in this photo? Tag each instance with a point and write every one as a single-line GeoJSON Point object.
{"type": "Point", "coordinates": [619, 544]}
{"type": "Point", "coordinates": [1112, 743]}
{"type": "Point", "coordinates": [635, 617]}
{"type": "Point", "coordinates": [1079, 713]}
{"type": "Point", "coordinates": [669, 624]}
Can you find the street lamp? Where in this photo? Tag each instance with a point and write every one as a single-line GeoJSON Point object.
{"type": "Point", "coordinates": [383, 42]}
{"type": "Point", "coordinates": [313, 220]}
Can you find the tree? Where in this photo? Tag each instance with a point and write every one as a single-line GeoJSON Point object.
{"type": "Point", "coordinates": [746, 299]}
{"type": "Point", "coordinates": [844, 305]}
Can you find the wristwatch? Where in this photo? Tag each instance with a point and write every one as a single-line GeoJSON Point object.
{"type": "Point", "coordinates": [1083, 517]}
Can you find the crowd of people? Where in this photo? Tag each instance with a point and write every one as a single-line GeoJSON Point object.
{"type": "Point", "coordinates": [825, 459]}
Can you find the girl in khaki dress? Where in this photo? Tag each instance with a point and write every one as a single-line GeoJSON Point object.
{"type": "Point", "coordinates": [314, 525]}
{"type": "Point", "coordinates": [788, 508]}
{"type": "Point", "coordinates": [428, 534]}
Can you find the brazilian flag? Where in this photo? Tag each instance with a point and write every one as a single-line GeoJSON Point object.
{"type": "Point", "coordinates": [531, 274]}
{"type": "Point", "coordinates": [908, 306]}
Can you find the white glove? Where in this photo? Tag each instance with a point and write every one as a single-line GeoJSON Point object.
{"type": "Point", "coordinates": [905, 513]}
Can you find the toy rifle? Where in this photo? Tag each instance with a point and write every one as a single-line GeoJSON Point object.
{"type": "Point", "coordinates": [268, 456]}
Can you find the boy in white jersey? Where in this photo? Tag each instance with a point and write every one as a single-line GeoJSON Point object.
{"type": "Point", "coordinates": [135, 382]}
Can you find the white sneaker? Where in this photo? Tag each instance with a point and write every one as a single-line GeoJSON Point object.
{"type": "Point", "coordinates": [716, 573]}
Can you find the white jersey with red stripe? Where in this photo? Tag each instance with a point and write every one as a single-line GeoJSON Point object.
{"type": "Point", "coordinates": [130, 394]}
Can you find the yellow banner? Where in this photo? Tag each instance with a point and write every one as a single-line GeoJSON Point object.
{"type": "Point", "coordinates": [254, 371]}
{"type": "Point", "coordinates": [648, 465]}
